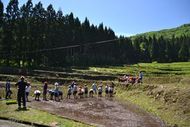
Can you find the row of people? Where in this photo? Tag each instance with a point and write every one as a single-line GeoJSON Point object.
{"type": "Point", "coordinates": [75, 90]}
{"type": "Point", "coordinates": [83, 91]}
{"type": "Point", "coordinates": [24, 88]}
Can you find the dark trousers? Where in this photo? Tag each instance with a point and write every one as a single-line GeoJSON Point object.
{"type": "Point", "coordinates": [8, 94]}
{"type": "Point", "coordinates": [23, 97]}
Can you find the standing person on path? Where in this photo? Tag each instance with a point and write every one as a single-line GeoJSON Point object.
{"type": "Point", "coordinates": [56, 90]}
{"type": "Point", "coordinates": [45, 87]}
{"type": "Point", "coordinates": [8, 89]}
{"type": "Point", "coordinates": [21, 92]}
{"type": "Point", "coordinates": [27, 91]}
{"type": "Point", "coordinates": [94, 87]}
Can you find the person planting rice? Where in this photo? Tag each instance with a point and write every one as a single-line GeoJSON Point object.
{"type": "Point", "coordinates": [110, 91]}
{"type": "Point", "coordinates": [69, 92]}
{"type": "Point", "coordinates": [106, 90]}
{"type": "Point", "coordinates": [75, 90]}
{"type": "Point", "coordinates": [91, 93]}
{"type": "Point", "coordinates": [80, 92]}
{"type": "Point", "coordinates": [100, 91]}
{"type": "Point", "coordinates": [37, 94]}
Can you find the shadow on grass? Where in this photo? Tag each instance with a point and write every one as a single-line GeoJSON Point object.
{"type": "Point", "coordinates": [22, 109]}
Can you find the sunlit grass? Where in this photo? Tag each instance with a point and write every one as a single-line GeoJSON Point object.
{"type": "Point", "coordinates": [35, 116]}
{"type": "Point", "coordinates": [177, 68]}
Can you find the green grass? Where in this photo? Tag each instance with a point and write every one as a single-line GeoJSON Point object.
{"type": "Point", "coordinates": [149, 69]}
{"type": "Point", "coordinates": [36, 116]}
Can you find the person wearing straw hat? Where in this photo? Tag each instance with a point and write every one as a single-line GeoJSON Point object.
{"type": "Point", "coordinates": [21, 85]}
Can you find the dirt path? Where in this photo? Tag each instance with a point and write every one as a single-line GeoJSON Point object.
{"type": "Point", "coordinates": [100, 112]}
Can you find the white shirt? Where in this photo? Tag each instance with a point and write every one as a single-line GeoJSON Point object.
{"type": "Point", "coordinates": [36, 91]}
{"type": "Point", "coordinates": [28, 89]}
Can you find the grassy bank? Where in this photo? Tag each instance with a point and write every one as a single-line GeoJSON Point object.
{"type": "Point", "coordinates": [171, 112]}
{"type": "Point", "coordinates": [36, 116]}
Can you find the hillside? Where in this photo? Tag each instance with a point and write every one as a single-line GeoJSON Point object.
{"type": "Point", "coordinates": [168, 33]}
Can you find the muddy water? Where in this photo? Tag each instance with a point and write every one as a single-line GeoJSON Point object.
{"type": "Point", "coordinates": [100, 112]}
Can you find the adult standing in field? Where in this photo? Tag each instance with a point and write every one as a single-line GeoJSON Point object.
{"type": "Point", "coordinates": [45, 87]}
{"type": "Point", "coordinates": [8, 89]}
{"type": "Point", "coordinates": [27, 91]}
{"type": "Point", "coordinates": [21, 85]}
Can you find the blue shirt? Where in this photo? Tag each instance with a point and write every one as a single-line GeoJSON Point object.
{"type": "Point", "coordinates": [94, 87]}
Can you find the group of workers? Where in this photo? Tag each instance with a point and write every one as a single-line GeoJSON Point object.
{"type": "Point", "coordinates": [83, 91]}
{"type": "Point", "coordinates": [132, 79]}
{"type": "Point", "coordinates": [74, 89]}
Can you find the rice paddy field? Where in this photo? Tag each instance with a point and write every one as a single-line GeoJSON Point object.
{"type": "Point", "coordinates": [165, 91]}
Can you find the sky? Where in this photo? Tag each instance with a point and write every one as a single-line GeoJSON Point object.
{"type": "Point", "coordinates": [125, 17]}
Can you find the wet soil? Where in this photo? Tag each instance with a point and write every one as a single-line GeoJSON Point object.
{"type": "Point", "coordinates": [106, 112]}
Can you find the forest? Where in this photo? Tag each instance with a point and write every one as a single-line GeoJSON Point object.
{"type": "Point", "coordinates": [34, 36]}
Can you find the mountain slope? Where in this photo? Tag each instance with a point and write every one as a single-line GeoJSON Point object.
{"type": "Point", "coordinates": [168, 33]}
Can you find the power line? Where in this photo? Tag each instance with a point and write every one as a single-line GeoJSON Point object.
{"type": "Point", "coordinates": [72, 46]}
{"type": "Point", "coordinates": [66, 47]}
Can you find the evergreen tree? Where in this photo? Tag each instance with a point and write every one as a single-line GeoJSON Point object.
{"type": "Point", "coordinates": [183, 53]}
{"type": "Point", "coordinates": [1, 13]}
